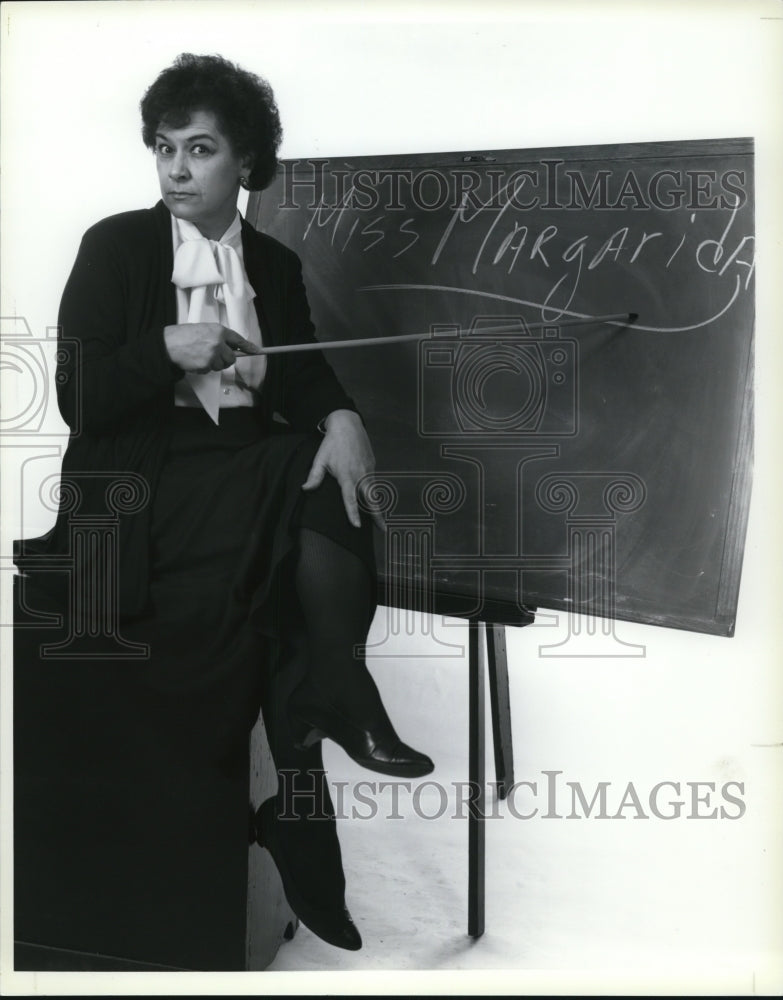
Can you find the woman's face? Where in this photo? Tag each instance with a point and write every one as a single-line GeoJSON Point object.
{"type": "Point", "coordinates": [199, 173]}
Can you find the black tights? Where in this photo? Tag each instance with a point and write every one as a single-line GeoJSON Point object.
{"type": "Point", "coordinates": [302, 803]}
{"type": "Point", "coordinates": [335, 607]}
{"type": "Point", "coordinates": [337, 600]}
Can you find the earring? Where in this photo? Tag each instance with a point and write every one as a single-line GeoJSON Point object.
{"type": "Point", "coordinates": [243, 181]}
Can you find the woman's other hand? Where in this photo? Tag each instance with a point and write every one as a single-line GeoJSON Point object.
{"type": "Point", "coordinates": [205, 347]}
{"type": "Point", "coordinates": [347, 454]}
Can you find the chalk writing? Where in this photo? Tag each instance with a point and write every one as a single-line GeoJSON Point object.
{"type": "Point", "coordinates": [501, 232]}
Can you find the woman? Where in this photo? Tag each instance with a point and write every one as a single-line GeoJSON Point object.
{"type": "Point", "coordinates": [248, 572]}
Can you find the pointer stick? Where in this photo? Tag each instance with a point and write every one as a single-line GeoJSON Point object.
{"type": "Point", "coordinates": [328, 345]}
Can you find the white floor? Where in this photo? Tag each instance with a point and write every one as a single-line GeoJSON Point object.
{"type": "Point", "coordinates": [685, 905]}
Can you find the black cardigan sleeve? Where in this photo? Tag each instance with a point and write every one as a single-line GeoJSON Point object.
{"type": "Point", "coordinates": [309, 389]}
{"type": "Point", "coordinates": [108, 373]}
{"type": "Point", "coordinates": [117, 368]}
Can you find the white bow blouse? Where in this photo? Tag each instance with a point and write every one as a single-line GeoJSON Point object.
{"type": "Point", "coordinates": [212, 287]}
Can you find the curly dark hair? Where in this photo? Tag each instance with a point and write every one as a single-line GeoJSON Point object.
{"type": "Point", "coordinates": [242, 103]}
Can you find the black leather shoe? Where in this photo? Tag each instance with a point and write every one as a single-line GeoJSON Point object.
{"type": "Point", "coordinates": [333, 925]}
{"type": "Point", "coordinates": [379, 749]}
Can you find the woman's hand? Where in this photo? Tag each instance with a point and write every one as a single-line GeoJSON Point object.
{"type": "Point", "coordinates": [347, 454]}
{"type": "Point", "coordinates": [205, 347]}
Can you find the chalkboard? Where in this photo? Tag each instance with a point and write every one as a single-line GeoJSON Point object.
{"type": "Point", "coordinates": [598, 466]}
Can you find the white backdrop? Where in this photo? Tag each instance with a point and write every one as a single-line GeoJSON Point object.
{"type": "Point", "coordinates": [369, 79]}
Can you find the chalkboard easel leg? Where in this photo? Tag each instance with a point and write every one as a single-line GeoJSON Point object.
{"type": "Point", "coordinates": [500, 708]}
{"type": "Point", "coordinates": [476, 778]}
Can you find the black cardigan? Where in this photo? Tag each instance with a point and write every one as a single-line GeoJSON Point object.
{"type": "Point", "coordinates": [115, 380]}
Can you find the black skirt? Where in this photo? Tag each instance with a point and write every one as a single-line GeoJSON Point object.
{"type": "Point", "coordinates": [131, 776]}
{"type": "Point", "coordinates": [225, 515]}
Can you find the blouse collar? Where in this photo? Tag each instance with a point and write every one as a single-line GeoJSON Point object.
{"type": "Point", "coordinates": [183, 230]}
